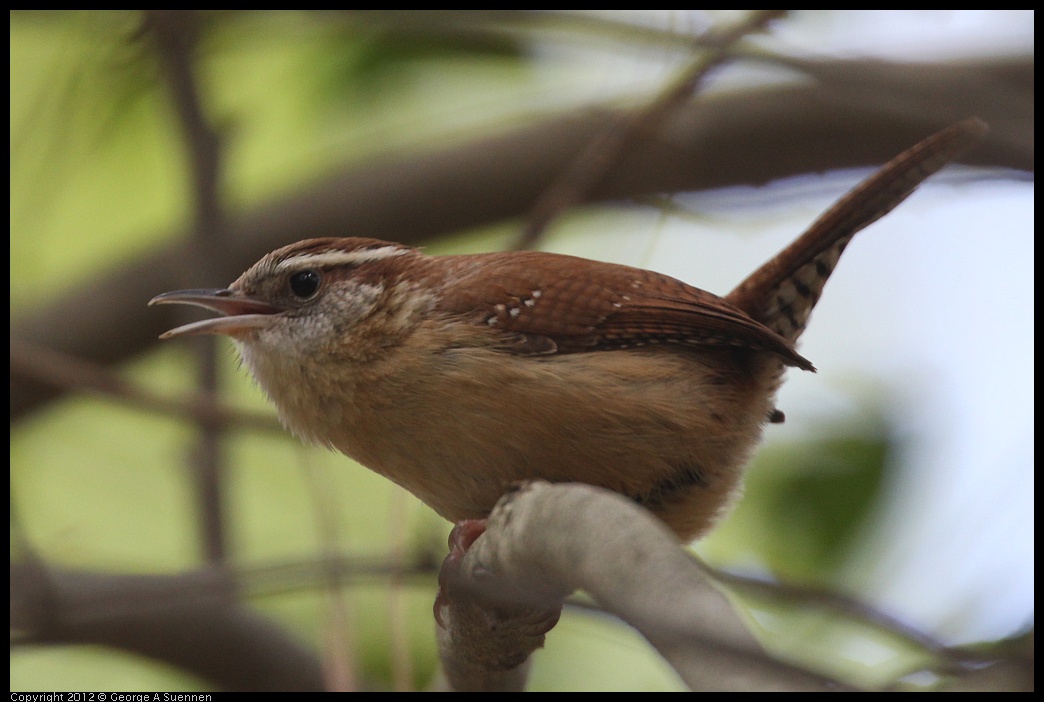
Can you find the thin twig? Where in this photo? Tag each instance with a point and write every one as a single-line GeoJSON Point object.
{"type": "Point", "coordinates": [70, 373]}
{"type": "Point", "coordinates": [595, 160]}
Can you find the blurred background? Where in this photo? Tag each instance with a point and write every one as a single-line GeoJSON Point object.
{"type": "Point", "coordinates": [163, 150]}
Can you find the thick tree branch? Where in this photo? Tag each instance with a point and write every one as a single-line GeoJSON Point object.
{"type": "Point", "coordinates": [544, 541]}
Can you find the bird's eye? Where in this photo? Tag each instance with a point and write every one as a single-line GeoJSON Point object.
{"type": "Point", "coordinates": [304, 283]}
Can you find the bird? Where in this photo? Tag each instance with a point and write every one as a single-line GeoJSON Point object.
{"type": "Point", "coordinates": [459, 376]}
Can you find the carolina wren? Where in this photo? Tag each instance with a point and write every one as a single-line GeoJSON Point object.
{"type": "Point", "coordinates": [455, 376]}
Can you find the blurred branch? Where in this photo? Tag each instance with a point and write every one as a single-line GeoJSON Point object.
{"type": "Point", "coordinates": [70, 373]}
{"type": "Point", "coordinates": [1013, 669]}
{"type": "Point", "coordinates": [187, 620]}
{"type": "Point", "coordinates": [840, 604]}
{"type": "Point", "coordinates": [743, 137]}
{"type": "Point", "coordinates": [572, 185]}
{"type": "Point", "coordinates": [190, 620]}
{"type": "Point", "coordinates": [174, 34]}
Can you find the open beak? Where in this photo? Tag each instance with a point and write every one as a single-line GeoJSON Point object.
{"type": "Point", "coordinates": [241, 313]}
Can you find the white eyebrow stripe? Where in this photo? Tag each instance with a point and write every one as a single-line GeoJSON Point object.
{"type": "Point", "coordinates": [340, 258]}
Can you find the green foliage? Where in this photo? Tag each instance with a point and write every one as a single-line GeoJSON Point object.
{"type": "Point", "coordinates": [814, 508]}
{"type": "Point", "coordinates": [806, 504]}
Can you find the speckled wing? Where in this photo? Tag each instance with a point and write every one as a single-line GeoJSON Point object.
{"type": "Point", "coordinates": [549, 303]}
